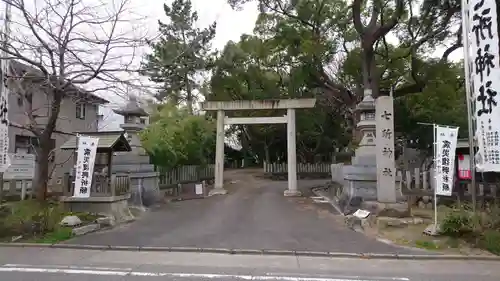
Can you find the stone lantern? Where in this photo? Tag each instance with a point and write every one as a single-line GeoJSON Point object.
{"type": "Point", "coordinates": [144, 180]}
{"type": "Point", "coordinates": [134, 122]}
{"type": "Point", "coordinates": [366, 153]}
{"type": "Point", "coordinates": [360, 178]}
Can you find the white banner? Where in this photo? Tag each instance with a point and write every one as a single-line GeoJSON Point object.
{"type": "Point", "coordinates": [4, 115]}
{"type": "Point", "coordinates": [87, 149]}
{"type": "Point", "coordinates": [485, 73]}
{"type": "Point", "coordinates": [446, 145]}
{"type": "Point", "coordinates": [4, 98]}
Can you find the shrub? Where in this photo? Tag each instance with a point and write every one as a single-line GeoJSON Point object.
{"type": "Point", "coordinates": [492, 218]}
{"type": "Point", "coordinates": [490, 241]}
{"type": "Point", "coordinates": [457, 223]}
{"type": "Point", "coordinates": [31, 218]}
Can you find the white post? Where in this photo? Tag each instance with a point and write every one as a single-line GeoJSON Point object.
{"type": "Point", "coordinates": [23, 189]}
{"type": "Point", "coordinates": [434, 128]}
{"type": "Point", "coordinates": [219, 157]}
{"type": "Point", "coordinates": [469, 99]}
{"type": "Point", "coordinates": [292, 155]}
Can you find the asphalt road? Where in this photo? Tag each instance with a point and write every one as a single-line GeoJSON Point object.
{"type": "Point", "coordinates": [30, 264]}
{"type": "Point", "coordinates": [254, 215]}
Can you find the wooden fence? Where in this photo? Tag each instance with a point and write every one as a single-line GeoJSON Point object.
{"type": "Point", "coordinates": [186, 174]}
{"type": "Point", "coordinates": [282, 168]}
{"type": "Point", "coordinates": [421, 183]}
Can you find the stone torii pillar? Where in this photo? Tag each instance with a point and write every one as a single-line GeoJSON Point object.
{"type": "Point", "coordinates": [289, 104]}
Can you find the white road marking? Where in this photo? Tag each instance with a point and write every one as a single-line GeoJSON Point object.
{"type": "Point", "coordinates": [350, 277]}
{"type": "Point", "coordinates": [88, 271]}
{"type": "Point", "coordinates": [70, 267]}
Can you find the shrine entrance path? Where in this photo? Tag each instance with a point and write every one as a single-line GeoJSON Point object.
{"type": "Point", "coordinates": [254, 215]}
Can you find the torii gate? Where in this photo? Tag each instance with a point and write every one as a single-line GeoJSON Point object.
{"type": "Point", "coordinates": [289, 104]}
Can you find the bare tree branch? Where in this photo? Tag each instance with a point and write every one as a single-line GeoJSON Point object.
{"type": "Point", "coordinates": [68, 49]}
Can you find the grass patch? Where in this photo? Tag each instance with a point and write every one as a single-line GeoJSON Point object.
{"type": "Point", "coordinates": [453, 242]}
{"type": "Point", "coordinates": [58, 235]}
{"type": "Point", "coordinates": [428, 245]}
{"type": "Point", "coordinates": [37, 222]}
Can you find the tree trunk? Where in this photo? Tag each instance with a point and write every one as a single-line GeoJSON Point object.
{"type": "Point", "coordinates": [267, 154]}
{"type": "Point", "coordinates": [41, 172]}
{"type": "Point", "coordinates": [189, 95]}
{"type": "Point", "coordinates": [370, 78]}
{"type": "Point", "coordinates": [45, 147]}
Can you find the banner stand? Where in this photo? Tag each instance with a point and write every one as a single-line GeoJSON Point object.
{"type": "Point", "coordinates": [434, 228]}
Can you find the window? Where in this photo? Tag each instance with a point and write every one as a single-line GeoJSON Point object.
{"type": "Point", "coordinates": [143, 121]}
{"type": "Point", "coordinates": [80, 110]}
{"type": "Point", "coordinates": [27, 144]}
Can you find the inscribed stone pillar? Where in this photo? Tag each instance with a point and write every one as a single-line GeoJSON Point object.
{"type": "Point", "coordinates": [386, 175]}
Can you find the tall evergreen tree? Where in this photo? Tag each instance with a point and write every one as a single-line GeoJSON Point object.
{"type": "Point", "coordinates": [181, 53]}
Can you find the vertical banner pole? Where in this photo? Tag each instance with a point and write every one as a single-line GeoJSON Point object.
{"type": "Point", "coordinates": [468, 99]}
{"type": "Point", "coordinates": [434, 129]}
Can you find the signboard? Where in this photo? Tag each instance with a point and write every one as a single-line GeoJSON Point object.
{"type": "Point", "coordinates": [198, 188]}
{"type": "Point", "coordinates": [87, 149]}
{"type": "Point", "coordinates": [485, 70]}
{"type": "Point", "coordinates": [446, 145]}
{"type": "Point", "coordinates": [22, 167]}
{"type": "Point", "coordinates": [464, 170]}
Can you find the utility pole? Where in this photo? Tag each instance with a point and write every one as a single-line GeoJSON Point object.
{"type": "Point", "coordinates": [4, 90]}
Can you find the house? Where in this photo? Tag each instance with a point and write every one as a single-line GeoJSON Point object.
{"type": "Point", "coordinates": [79, 112]}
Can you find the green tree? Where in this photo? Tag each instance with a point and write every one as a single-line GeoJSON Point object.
{"type": "Point", "coordinates": [258, 68]}
{"type": "Point", "coordinates": [180, 54]}
{"type": "Point", "coordinates": [176, 137]}
{"type": "Point", "coordinates": [322, 48]}
{"type": "Point", "coordinates": [419, 25]}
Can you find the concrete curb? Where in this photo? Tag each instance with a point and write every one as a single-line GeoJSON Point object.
{"type": "Point", "coordinates": [253, 252]}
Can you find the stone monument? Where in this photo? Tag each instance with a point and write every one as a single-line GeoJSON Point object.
{"type": "Point", "coordinates": [370, 181]}
{"type": "Point", "coordinates": [390, 201]}
{"type": "Point", "coordinates": [144, 180]}
{"type": "Point", "coordinates": [386, 176]}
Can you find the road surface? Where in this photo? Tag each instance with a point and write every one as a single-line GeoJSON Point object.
{"type": "Point", "coordinates": [254, 215]}
{"type": "Point", "coordinates": [30, 264]}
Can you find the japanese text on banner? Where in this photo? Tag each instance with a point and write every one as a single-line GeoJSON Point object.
{"type": "Point", "coordinates": [485, 73]}
{"type": "Point", "coordinates": [446, 144]}
{"type": "Point", "coordinates": [87, 149]}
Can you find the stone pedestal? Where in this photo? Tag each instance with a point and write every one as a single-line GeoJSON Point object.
{"type": "Point", "coordinates": [292, 193]}
{"type": "Point", "coordinates": [144, 181]}
{"type": "Point", "coordinates": [217, 191]}
{"type": "Point", "coordinates": [111, 206]}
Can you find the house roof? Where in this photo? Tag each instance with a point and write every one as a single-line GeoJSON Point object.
{"type": "Point", "coordinates": [112, 140]}
{"type": "Point", "coordinates": [19, 66]}
{"type": "Point", "coordinates": [132, 108]}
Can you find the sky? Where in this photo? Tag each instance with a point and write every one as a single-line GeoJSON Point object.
{"type": "Point", "coordinates": [230, 26]}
